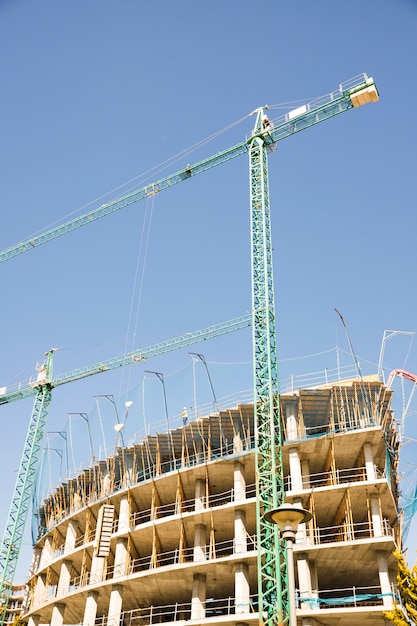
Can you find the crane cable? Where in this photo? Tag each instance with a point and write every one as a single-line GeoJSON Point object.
{"type": "Point", "coordinates": [142, 177]}
{"type": "Point", "coordinates": [137, 288]}
{"type": "Point", "coordinates": [365, 396]}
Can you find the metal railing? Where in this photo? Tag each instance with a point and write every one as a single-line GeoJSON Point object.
{"type": "Point", "coordinates": [184, 506]}
{"type": "Point", "coordinates": [349, 597]}
{"type": "Point", "coordinates": [332, 477]}
{"type": "Point", "coordinates": [212, 551]}
{"type": "Point", "coordinates": [153, 470]}
{"type": "Point", "coordinates": [344, 532]}
{"type": "Point", "coordinates": [181, 611]}
{"type": "Point", "coordinates": [187, 555]}
{"type": "Point", "coordinates": [206, 552]}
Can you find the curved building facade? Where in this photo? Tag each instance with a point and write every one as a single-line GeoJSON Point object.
{"type": "Point", "coordinates": [165, 531]}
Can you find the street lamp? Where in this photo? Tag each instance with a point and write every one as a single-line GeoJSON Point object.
{"type": "Point", "coordinates": [204, 362]}
{"type": "Point", "coordinates": [161, 378]}
{"type": "Point", "coordinates": [84, 416]}
{"type": "Point", "coordinates": [288, 517]}
{"type": "Point", "coordinates": [118, 427]}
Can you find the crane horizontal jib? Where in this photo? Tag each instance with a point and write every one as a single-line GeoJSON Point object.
{"type": "Point", "coordinates": [353, 93]}
{"type": "Point", "coordinates": [32, 388]}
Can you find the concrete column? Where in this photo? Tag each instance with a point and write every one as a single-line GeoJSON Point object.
{"type": "Point", "coordinates": [57, 618]}
{"type": "Point", "coordinates": [377, 527]}
{"type": "Point", "coordinates": [384, 580]}
{"type": "Point", "coordinates": [314, 578]}
{"type": "Point", "coordinates": [115, 605]}
{"type": "Point", "coordinates": [237, 443]}
{"type": "Point", "coordinates": [64, 578]}
{"type": "Point", "coordinates": [291, 420]}
{"type": "Point", "coordinates": [120, 558]}
{"type": "Point", "coordinates": [304, 580]}
{"type": "Point", "coordinates": [302, 537]}
{"type": "Point", "coordinates": [199, 553]}
{"type": "Point", "coordinates": [305, 471]}
{"type": "Point", "coordinates": [70, 538]}
{"type": "Point", "coordinates": [47, 551]}
{"type": "Point", "coordinates": [198, 600]}
{"type": "Point", "coordinates": [40, 591]}
{"type": "Point", "coordinates": [129, 469]}
{"type": "Point", "coordinates": [369, 462]}
{"type": "Point", "coordinates": [295, 470]}
{"type": "Point", "coordinates": [199, 454]}
{"type": "Point", "coordinates": [240, 532]}
{"type": "Point", "coordinates": [124, 515]}
{"type": "Point", "coordinates": [239, 482]}
{"type": "Point", "coordinates": [200, 494]}
{"type": "Point", "coordinates": [36, 559]}
{"type": "Point", "coordinates": [90, 610]}
{"type": "Point", "coordinates": [242, 589]}
{"type": "Point", "coordinates": [106, 484]}
{"type": "Point", "coordinates": [34, 620]}
{"type": "Point", "coordinates": [97, 569]}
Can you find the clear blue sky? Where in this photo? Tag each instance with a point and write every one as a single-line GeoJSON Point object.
{"type": "Point", "coordinates": [96, 94]}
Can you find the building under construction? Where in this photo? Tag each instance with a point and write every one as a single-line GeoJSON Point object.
{"type": "Point", "coordinates": [165, 531]}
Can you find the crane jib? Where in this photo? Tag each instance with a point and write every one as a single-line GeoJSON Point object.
{"type": "Point", "coordinates": [352, 94]}
{"type": "Point", "coordinates": [137, 356]}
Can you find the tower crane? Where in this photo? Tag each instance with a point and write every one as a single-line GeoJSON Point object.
{"type": "Point", "coordinates": [272, 568]}
{"type": "Point", "coordinates": [42, 389]}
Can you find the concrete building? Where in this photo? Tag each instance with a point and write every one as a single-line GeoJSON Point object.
{"type": "Point", "coordinates": [15, 604]}
{"type": "Point", "coordinates": [165, 531]}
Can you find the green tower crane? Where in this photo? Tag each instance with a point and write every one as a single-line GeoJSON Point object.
{"type": "Point", "coordinates": [272, 568]}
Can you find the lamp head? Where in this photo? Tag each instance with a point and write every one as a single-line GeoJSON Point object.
{"type": "Point", "coordinates": [288, 517]}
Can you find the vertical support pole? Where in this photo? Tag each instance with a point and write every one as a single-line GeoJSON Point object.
{"type": "Point", "coordinates": [272, 560]}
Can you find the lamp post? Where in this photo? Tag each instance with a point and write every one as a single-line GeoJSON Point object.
{"type": "Point", "coordinates": [118, 427]}
{"type": "Point", "coordinates": [288, 517]}
{"type": "Point", "coordinates": [63, 434]}
{"type": "Point", "coordinates": [204, 362]}
{"type": "Point", "coordinates": [84, 416]}
{"type": "Point", "coordinates": [161, 378]}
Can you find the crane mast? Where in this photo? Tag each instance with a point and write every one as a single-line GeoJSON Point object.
{"type": "Point", "coordinates": [272, 568]}
{"type": "Point", "coordinates": [13, 534]}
